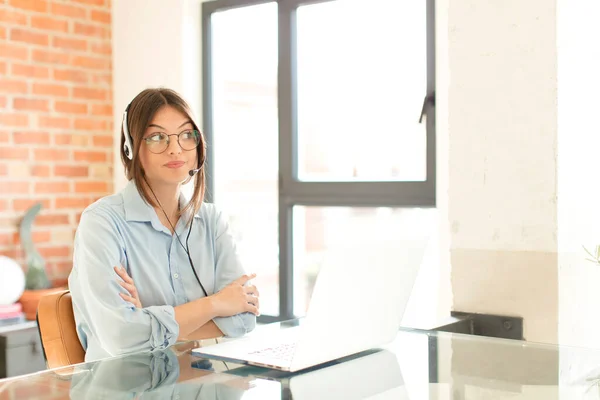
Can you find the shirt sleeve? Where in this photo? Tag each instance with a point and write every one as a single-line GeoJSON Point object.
{"type": "Point", "coordinates": [117, 325]}
{"type": "Point", "coordinates": [228, 269]}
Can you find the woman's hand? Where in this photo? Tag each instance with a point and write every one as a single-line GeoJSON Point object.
{"type": "Point", "coordinates": [127, 284]}
{"type": "Point", "coordinates": [236, 298]}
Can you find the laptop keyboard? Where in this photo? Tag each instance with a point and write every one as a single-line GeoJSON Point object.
{"type": "Point", "coordinates": [283, 351]}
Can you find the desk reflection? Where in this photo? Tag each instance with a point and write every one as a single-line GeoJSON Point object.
{"type": "Point", "coordinates": [179, 375]}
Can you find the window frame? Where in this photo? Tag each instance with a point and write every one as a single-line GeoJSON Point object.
{"type": "Point", "coordinates": [292, 191]}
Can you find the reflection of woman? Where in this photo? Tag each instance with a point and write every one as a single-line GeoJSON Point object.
{"type": "Point", "coordinates": [189, 282]}
{"type": "Point", "coordinates": [156, 375]}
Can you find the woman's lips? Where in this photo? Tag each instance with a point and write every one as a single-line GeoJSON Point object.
{"type": "Point", "coordinates": [175, 164]}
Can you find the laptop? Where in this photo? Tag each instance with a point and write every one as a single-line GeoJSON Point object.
{"type": "Point", "coordinates": [357, 304]}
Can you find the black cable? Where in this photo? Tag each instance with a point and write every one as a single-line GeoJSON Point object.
{"type": "Point", "coordinates": [186, 249]}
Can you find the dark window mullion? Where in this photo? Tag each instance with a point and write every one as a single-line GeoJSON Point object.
{"type": "Point", "coordinates": [287, 106]}
{"type": "Point", "coordinates": [430, 106]}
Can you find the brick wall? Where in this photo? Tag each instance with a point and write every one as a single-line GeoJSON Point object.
{"type": "Point", "coordinates": [55, 120]}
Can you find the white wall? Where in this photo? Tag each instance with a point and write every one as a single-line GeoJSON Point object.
{"type": "Point", "coordinates": [502, 148]}
{"type": "Point", "coordinates": [578, 188]}
{"type": "Point", "coordinates": [444, 294]}
{"type": "Point", "coordinates": [155, 43]}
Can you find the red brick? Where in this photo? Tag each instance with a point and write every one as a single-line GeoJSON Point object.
{"type": "Point", "coordinates": [68, 43]}
{"type": "Point", "coordinates": [62, 269]}
{"type": "Point", "coordinates": [40, 170]}
{"type": "Point", "coordinates": [3, 205]}
{"type": "Point", "coordinates": [16, 187]}
{"type": "Point", "coordinates": [90, 94]}
{"type": "Point", "coordinates": [62, 138]}
{"type": "Point", "coordinates": [8, 16]}
{"type": "Point", "coordinates": [56, 251]}
{"type": "Point", "coordinates": [72, 202]}
{"type": "Point", "coordinates": [50, 24]}
{"type": "Point", "coordinates": [14, 254]}
{"type": "Point", "coordinates": [24, 204]}
{"type": "Point", "coordinates": [90, 124]}
{"type": "Point", "coordinates": [102, 140]}
{"type": "Point", "coordinates": [50, 89]}
{"type": "Point", "coordinates": [90, 156]}
{"type": "Point", "coordinates": [13, 86]}
{"type": "Point", "coordinates": [4, 138]}
{"type": "Point", "coordinates": [50, 57]}
{"type": "Point", "coordinates": [70, 75]}
{"type": "Point", "coordinates": [91, 187]}
{"type": "Point", "coordinates": [102, 109]}
{"type": "Point", "coordinates": [67, 10]}
{"type": "Point", "coordinates": [14, 153]}
{"type": "Point", "coordinates": [3, 67]}
{"type": "Point", "coordinates": [92, 2]}
{"type": "Point", "coordinates": [12, 51]}
{"type": "Point", "coordinates": [70, 170]}
{"type": "Point", "coordinates": [102, 79]}
{"type": "Point", "coordinates": [26, 36]}
{"type": "Point", "coordinates": [52, 219]}
{"type": "Point", "coordinates": [30, 5]}
{"type": "Point", "coordinates": [54, 122]}
{"type": "Point", "coordinates": [31, 138]}
{"type": "Point", "coordinates": [91, 30]}
{"type": "Point", "coordinates": [30, 71]}
{"type": "Point", "coordinates": [70, 107]}
{"type": "Point", "coordinates": [90, 62]}
{"type": "Point", "coordinates": [3, 102]}
{"type": "Point", "coordinates": [16, 120]}
{"type": "Point", "coordinates": [6, 239]}
{"type": "Point", "coordinates": [50, 155]}
{"type": "Point", "coordinates": [31, 104]}
{"type": "Point", "coordinates": [51, 187]}
{"type": "Point", "coordinates": [103, 47]}
{"type": "Point", "coordinates": [40, 236]}
{"type": "Point", "coordinates": [100, 16]}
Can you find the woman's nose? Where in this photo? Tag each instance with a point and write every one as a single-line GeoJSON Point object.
{"type": "Point", "coordinates": [174, 147]}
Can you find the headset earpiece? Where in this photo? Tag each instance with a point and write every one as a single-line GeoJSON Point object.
{"type": "Point", "coordinates": [127, 146]}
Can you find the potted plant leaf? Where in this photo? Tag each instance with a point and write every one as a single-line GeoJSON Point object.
{"type": "Point", "coordinates": [37, 283]}
{"type": "Point", "coordinates": [593, 256]}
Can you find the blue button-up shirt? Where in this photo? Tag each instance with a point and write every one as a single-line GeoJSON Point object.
{"type": "Point", "coordinates": [122, 229]}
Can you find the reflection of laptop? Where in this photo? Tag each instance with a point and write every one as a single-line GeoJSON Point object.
{"type": "Point", "coordinates": [357, 304]}
{"type": "Point", "coordinates": [370, 374]}
{"type": "Point", "coordinates": [376, 374]}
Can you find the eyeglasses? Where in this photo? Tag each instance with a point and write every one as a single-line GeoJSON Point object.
{"type": "Point", "coordinates": [159, 142]}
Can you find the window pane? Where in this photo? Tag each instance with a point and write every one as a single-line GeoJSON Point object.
{"type": "Point", "coordinates": [362, 71]}
{"type": "Point", "coordinates": [322, 231]}
{"type": "Point", "coordinates": [245, 141]}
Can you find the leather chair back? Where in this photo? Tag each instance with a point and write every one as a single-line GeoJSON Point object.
{"type": "Point", "coordinates": [58, 332]}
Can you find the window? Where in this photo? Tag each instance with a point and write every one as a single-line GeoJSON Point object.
{"type": "Point", "coordinates": [315, 119]}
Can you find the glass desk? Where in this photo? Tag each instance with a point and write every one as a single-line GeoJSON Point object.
{"type": "Point", "coordinates": [416, 365]}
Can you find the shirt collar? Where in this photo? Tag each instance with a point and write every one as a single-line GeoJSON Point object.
{"type": "Point", "coordinates": [136, 208]}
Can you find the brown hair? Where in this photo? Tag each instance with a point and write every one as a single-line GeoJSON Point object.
{"type": "Point", "coordinates": [140, 113]}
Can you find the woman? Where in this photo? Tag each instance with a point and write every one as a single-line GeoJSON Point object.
{"type": "Point", "coordinates": [180, 274]}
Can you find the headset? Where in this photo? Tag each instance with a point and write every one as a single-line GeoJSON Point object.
{"type": "Point", "coordinates": [128, 151]}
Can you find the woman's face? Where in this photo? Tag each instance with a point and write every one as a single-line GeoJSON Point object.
{"type": "Point", "coordinates": [172, 165]}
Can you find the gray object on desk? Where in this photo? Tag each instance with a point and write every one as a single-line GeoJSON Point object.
{"type": "Point", "coordinates": [20, 350]}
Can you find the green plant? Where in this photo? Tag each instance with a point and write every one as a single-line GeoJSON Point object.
{"type": "Point", "coordinates": [35, 277]}
{"type": "Point", "coordinates": [595, 256]}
